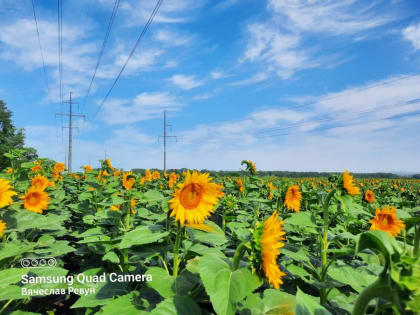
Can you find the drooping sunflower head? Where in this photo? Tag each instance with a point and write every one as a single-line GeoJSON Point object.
{"type": "Point", "coordinates": [35, 200]}
{"type": "Point", "coordinates": [59, 167]}
{"type": "Point", "coordinates": [293, 198]}
{"type": "Point", "coordinates": [266, 243]}
{"type": "Point", "coordinates": [386, 220]}
{"type": "Point", "coordinates": [2, 227]}
{"type": "Point", "coordinates": [349, 185]}
{"type": "Point", "coordinates": [195, 199]}
{"type": "Point", "coordinates": [88, 168]}
{"type": "Point", "coordinates": [250, 166]}
{"type": "Point", "coordinates": [6, 193]}
{"type": "Point", "coordinates": [40, 182]}
{"type": "Point", "coordinates": [108, 163]}
{"type": "Point", "coordinates": [369, 196]}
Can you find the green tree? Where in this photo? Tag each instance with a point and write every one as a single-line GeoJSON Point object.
{"type": "Point", "coordinates": [11, 138]}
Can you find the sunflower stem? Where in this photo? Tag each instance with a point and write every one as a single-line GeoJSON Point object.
{"type": "Point", "coordinates": [176, 250]}
{"type": "Point", "coordinates": [324, 245]}
{"type": "Point", "coordinates": [6, 305]}
{"type": "Point", "coordinates": [416, 250]}
{"type": "Point", "coordinates": [238, 255]}
{"type": "Point", "coordinates": [381, 288]}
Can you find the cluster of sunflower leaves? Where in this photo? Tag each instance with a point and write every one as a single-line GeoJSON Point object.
{"type": "Point", "coordinates": [85, 237]}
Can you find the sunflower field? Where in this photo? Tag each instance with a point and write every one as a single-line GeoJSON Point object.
{"type": "Point", "coordinates": [157, 243]}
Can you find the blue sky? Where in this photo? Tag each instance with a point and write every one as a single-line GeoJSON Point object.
{"type": "Point", "coordinates": [291, 84]}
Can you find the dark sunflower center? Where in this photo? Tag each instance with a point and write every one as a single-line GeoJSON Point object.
{"type": "Point", "coordinates": [387, 219]}
{"type": "Point", "coordinates": [190, 196]}
{"type": "Point", "coordinates": [34, 199]}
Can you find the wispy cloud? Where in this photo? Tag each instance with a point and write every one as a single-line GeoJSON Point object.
{"type": "Point", "coordinates": [172, 38]}
{"type": "Point", "coordinates": [144, 106]}
{"type": "Point", "coordinates": [332, 17]}
{"type": "Point", "coordinates": [185, 82]}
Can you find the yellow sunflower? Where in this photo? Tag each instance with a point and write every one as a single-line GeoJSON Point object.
{"type": "Point", "coordinates": [369, 196]}
{"type": "Point", "coordinates": [128, 182]}
{"type": "Point", "coordinates": [349, 185]}
{"type": "Point", "coordinates": [6, 193]}
{"type": "Point", "coordinates": [386, 220]}
{"type": "Point", "coordinates": [148, 176]}
{"type": "Point", "coordinates": [108, 163]}
{"type": "Point", "coordinates": [270, 242]}
{"type": "Point", "coordinates": [88, 168]}
{"type": "Point", "coordinates": [173, 177]}
{"type": "Point", "coordinates": [9, 170]}
{"type": "Point", "coordinates": [195, 199]}
{"type": "Point", "coordinates": [40, 182]}
{"type": "Point", "coordinates": [36, 168]}
{"type": "Point", "coordinates": [2, 227]}
{"type": "Point", "coordinates": [156, 175]}
{"type": "Point", "coordinates": [59, 167]}
{"type": "Point", "coordinates": [133, 203]}
{"type": "Point", "coordinates": [117, 173]}
{"type": "Point", "coordinates": [253, 167]}
{"type": "Point", "coordinates": [115, 208]}
{"type": "Point", "coordinates": [293, 198]}
{"type": "Point", "coordinates": [35, 200]}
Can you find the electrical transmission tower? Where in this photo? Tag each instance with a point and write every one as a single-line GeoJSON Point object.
{"type": "Point", "coordinates": [70, 127]}
{"type": "Point", "coordinates": [164, 139]}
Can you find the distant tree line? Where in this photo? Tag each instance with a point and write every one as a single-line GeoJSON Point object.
{"type": "Point", "coordinates": [281, 173]}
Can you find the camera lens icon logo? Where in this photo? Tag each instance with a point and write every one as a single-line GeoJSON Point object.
{"type": "Point", "coordinates": [43, 262]}
{"type": "Point", "coordinates": [25, 263]}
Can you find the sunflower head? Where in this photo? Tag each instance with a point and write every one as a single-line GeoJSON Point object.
{"type": "Point", "coordinates": [195, 199]}
{"type": "Point", "coordinates": [109, 164]}
{"type": "Point", "coordinates": [349, 185]}
{"type": "Point", "coordinates": [117, 173]}
{"type": "Point", "coordinates": [88, 168]}
{"type": "Point", "coordinates": [115, 208]}
{"type": "Point", "coordinates": [128, 180]}
{"type": "Point", "coordinates": [9, 170]}
{"type": "Point", "coordinates": [59, 167]}
{"type": "Point", "coordinates": [369, 196]}
{"type": "Point", "coordinates": [250, 166]}
{"type": "Point", "coordinates": [133, 203]}
{"type": "Point", "coordinates": [293, 198]}
{"type": "Point", "coordinates": [265, 244]}
{"type": "Point", "coordinates": [40, 182]}
{"type": "Point", "coordinates": [6, 193]}
{"type": "Point", "coordinates": [35, 200]}
{"type": "Point", "coordinates": [386, 220]}
{"type": "Point", "coordinates": [156, 175]}
{"type": "Point", "coordinates": [36, 168]}
{"type": "Point", "coordinates": [2, 227]}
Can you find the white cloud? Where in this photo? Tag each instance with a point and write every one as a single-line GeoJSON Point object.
{"type": "Point", "coordinates": [278, 46]}
{"type": "Point", "coordinates": [279, 51]}
{"type": "Point", "coordinates": [326, 16]}
{"type": "Point", "coordinates": [216, 74]}
{"type": "Point", "coordinates": [185, 82]}
{"type": "Point", "coordinates": [144, 106]}
{"type": "Point", "coordinates": [258, 77]}
{"type": "Point", "coordinates": [170, 12]}
{"type": "Point", "coordinates": [412, 33]}
{"type": "Point", "coordinates": [171, 38]}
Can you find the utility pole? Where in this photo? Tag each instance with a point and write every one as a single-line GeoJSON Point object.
{"type": "Point", "coordinates": [164, 139]}
{"type": "Point", "coordinates": [70, 127]}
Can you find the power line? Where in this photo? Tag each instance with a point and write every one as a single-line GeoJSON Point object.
{"type": "Point", "coordinates": [111, 21]}
{"type": "Point", "coordinates": [70, 127]}
{"type": "Point", "coordinates": [40, 48]}
{"type": "Point", "coordinates": [146, 27]}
